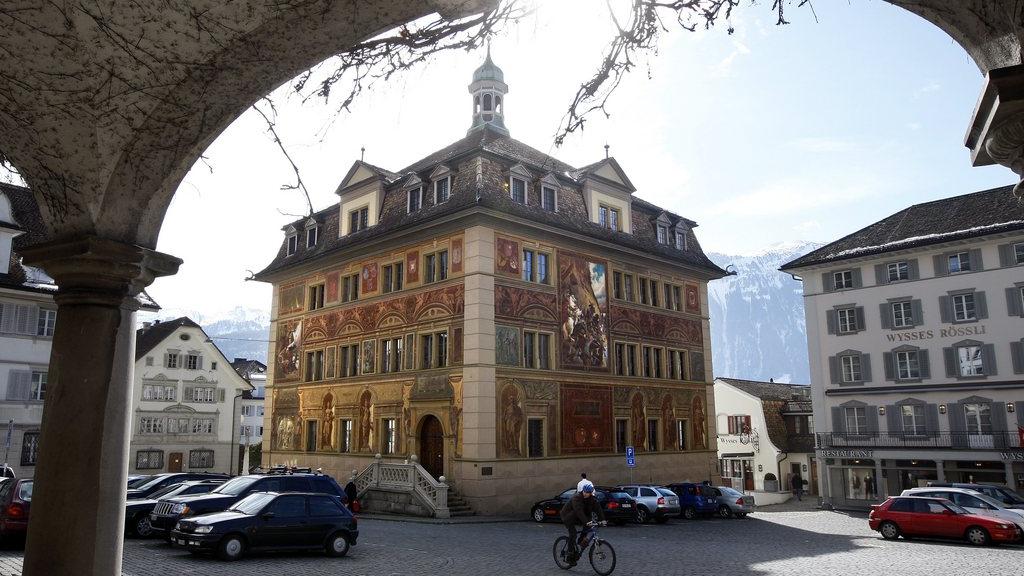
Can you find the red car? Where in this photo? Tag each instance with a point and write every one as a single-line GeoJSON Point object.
{"type": "Point", "coordinates": [15, 502]}
{"type": "Point", "coordinates": [910, 516]}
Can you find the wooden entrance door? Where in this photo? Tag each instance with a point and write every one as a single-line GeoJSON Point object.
{"type": "Point", "coordinates": [432, 446]}
{"type": "Point", "coordinates": [814, 476]}
{"type": "Point", "coordinates": [174, 462]}
{"type": "Point", "coordinates": [748, 476]}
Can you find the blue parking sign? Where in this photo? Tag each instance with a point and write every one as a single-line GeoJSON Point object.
{"type": "Point", "coordinates": [630, 457]}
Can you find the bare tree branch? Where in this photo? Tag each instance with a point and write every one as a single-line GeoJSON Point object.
{"type": "Point", "coordinates": [272, 128]}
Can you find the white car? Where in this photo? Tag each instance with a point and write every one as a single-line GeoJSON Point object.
{"type": "Point", "coordinates": [974, 502]}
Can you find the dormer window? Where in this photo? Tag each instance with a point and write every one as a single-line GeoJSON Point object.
{"type": "Point", "coordinates": [358, 219]}
{"type": "Point", "coordinates": [311, 236]}
{"type": "Point", "coordinates": [518, 190]}
{"type": "Point", "coordinates": [680, 241]}
{"type": "Point", "coordinates": [608, 217]}
{"type": "Point", "coordinates": [293, 244]}
{"type": "Point", "coordinates": [442, 190]}
{"type": "Point", "coordinates": [548, 198]}
{"type": "Point", "coordinates": [662, 234]}
{"type": "Point", "coordinates": [415, 199]}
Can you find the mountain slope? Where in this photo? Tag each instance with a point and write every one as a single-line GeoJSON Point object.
{"type": "Point", "coordinates": [239, 333]}
{"type": "Point", "coordinates": [757, 317]}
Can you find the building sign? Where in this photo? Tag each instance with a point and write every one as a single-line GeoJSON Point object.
{"type": "Point", "coordinates": [842, 453]}
{"type": "Point", "coordinates": [1014, 456]}
{"type": "Point", "coordinates": [950, 332]}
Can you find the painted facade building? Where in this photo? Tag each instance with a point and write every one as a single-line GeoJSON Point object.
{"type": "Point", "coordinates": [186, 402]}
{"type": "Point", "coordinates": [915, 328]}
{"type": "Point", "coordinates": [765, 435]}
{"type": "Point", "coordinates": [508, 318]}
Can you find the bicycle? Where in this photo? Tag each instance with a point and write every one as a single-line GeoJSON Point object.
{"type": "Point", "coordinates": [602, 555]}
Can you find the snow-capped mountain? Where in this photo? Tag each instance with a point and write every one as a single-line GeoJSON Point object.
{"type": "Point", "coordinates": [239, 332]}
{"type": "Point", "coordinates": [757, 317]}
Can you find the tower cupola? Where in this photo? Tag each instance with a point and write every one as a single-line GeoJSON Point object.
{"type": "Point", "coordinates": [488, 89]}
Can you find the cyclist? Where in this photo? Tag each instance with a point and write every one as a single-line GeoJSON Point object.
{"type": "Point", "coordinates": [577, 512]}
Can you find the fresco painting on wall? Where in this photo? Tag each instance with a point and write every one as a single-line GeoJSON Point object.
{"type": "Point", "coordinates": [289, 340]}
{"type": "Point", "coordinates": [292, 299]}
{"type": "Point", "coordinates": [369, 356]}
{"type": "Point", "coordinates": [586, 419]}
{"type": "Point", "coordinates": [369, 277]}
{"type": "Point", "coordinates": [327, 423]}
{"type": "Point", "coordinates": [457, 254]}
{"type": "Point", "coordinates": [331, 289]}
{"type": "Point", "coordinates": [700, 434]}
{"type": "Point", "coordinates": [412, 267]}
{"type": "Point", "coordinates": [365, 421]}
{"type": "Point", "coordinates": [638, 419]}
{"type": "Point", "coordinates": [511, 421]}
{"type": "Point", "coordinates": [285, 423]}
{"type": "Point", "coordinates": [507, 257]}
{"type": "Point", "coordinates": [584, 295]}
{"type": "Point", "coordinates": [692, 299]}
{"type": "Point", "coordinates": [506, 346]}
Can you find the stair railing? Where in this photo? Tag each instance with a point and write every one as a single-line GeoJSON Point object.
{"type": "Point", "coordinates": [405, 477]}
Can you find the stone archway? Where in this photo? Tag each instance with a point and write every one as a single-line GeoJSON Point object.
{"type": "Point", "coordinates": [430, 443]}
{"type": "Point", "coordinates": [104, 187]}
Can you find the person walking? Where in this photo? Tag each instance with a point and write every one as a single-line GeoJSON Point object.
{"type": "Point", "coordinates": [583, 482]}
{"type": "Point", "coordinates": [797, 483]}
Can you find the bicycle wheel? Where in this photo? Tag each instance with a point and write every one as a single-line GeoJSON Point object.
{"type": "Point", "coordinates": [602, 557]}
{"type": "Point", "coordinates": [561, 552]}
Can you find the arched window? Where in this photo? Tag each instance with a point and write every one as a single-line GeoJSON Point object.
{"type": "Point", "coordinates": [487, 102]}
{"type": "Point", "coordinates": [497, 104]}
{"type": "Point", "coordinates": [476, 104]}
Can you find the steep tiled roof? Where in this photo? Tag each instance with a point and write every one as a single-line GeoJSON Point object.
{"type": "Point", "coordinates": [957, 218]}
{"type": "Point", "coordinates": [491, 142]}
{"type": "Point", "coordinates": [769, 390]}
{"type": "Point", "coordinates": [147, 338]}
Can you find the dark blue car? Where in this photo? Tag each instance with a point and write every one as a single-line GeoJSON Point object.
{"type": "Point", "coordinates": [695, 499]}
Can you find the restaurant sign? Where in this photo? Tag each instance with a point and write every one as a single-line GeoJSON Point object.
{"type": "Point", "coordinates": [844, 453]}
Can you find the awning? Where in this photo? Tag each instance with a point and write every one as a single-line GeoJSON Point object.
{"type": "Point", "coordinates": [739, 455]}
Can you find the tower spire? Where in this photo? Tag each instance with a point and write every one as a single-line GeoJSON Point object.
{"type": "Point", "coordinates": [488, 89]}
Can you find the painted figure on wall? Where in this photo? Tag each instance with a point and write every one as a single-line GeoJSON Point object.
{"type": "Point", "coordinates": [668, 423]}
{"type": "Point", "coordinates": [369, 356]}
{"type": "Point", "coordinates": [285, 433]}
{"type": "Point", "coordinates": [292, 299]}
{"type": "Point", "coordinates": [407, 410]}
{"type": "Point", "coordinates": [412, 266]}
{"type": "Point", "coordinates": [331, 288]}
{"type": "Point", "coordinates": [456, 255]}
{"type": "Point", "coordinates": [508, 256]}
{"type": "Point", "coordinates": [455, 415]}
{"type": "Point", "coordinates": [365, 421]}
{"type": "Point", "coordinates": [692, 299]}
{"type": "Point", "coordinates": [506, 346]}
{"type": "Point", "coordinates": [289, 340]}
{"type": "Point", "coordinates": [700, 434]}
{"type": "Point", "coordinates": [327, 422]}
{"type": "Point", "coordinates": [369, 276]}
{"type": "Point", "coordinates": [511, 420]}
{"type": "Point", "coordinates": [584, 313]}
{"type": "Point", "coordinates": [586, 418]}
{"type": "Point", "coordinates": [638, 416]}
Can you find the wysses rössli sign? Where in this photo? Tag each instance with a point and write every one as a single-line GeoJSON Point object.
{"type": "Point", "coordinates": [948, 332]}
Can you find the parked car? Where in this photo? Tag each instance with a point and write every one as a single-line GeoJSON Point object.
{"type": "Point", "coordinates": [136, 512]}
{"type": "Point", "coordinates": [732, 502]}
{"type": "Point", "coordinates": [695, 499]}
{"type": "Point", "coordinates": [168, 511]}
{"type": "Point", "coordinates": [1001, 493]}
{"type": "Point", "coordinates": [911, 516]}
{"type": "Point", "coordinates": [271, 521]}
{"type": "Point", "coordinates": [618, 507]}
{"type": "Point", "coordinates": [135, 480]}
{"type": "Point", "coordinates": [15, 503]}
{"type": "Point", "coordinates": [652, 502]}
{"type": "Point", "coordinates": [161, 481]}
{"type": "Point", "coordinates": [974, 502]}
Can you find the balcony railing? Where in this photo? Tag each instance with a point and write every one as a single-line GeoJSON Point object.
{"type": "Point", "coordinates": [950, 440]}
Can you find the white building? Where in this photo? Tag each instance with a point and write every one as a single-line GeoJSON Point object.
{"type": "Point", "coordinates": [186, 401]}
{"type": "Point", "coordinates": [254, 372]}
{"type": "Point", "coordinates": [28, 316]}
{"type": "Point", "coordinates": [914, 328]}
{"type": "Point", "coordinates": [765, 435]}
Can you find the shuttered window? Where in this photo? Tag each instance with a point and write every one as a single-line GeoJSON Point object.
{"type": "Point", "coordinates": [19, 384]}
{"type": "Point", "coordinates": [19, 319]}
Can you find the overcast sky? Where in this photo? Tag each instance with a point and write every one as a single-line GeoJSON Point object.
{"type": "Point", "coordinates": [802, 132]}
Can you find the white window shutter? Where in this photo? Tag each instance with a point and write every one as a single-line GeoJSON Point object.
{"type": "Point", "coordinates": [19, 384]}
{"type": "Point", "coordinates": [220, 395]}
{"type": "Point", "coordinates": [7, 318]}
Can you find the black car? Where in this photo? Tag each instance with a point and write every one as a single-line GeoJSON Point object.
{"type": "Point", "coordinates": [618, 507]}
{"type": "Point", "coordinates": [271, 521]}
{"type": "Point", "coordinates": [136, 512]}
{"type": "Point", "coordinates": [161, 481]}
{"type": "Point", "coordinates": [168, 511]}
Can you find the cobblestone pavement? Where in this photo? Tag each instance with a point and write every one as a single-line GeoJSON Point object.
{"type": "Point", "coordinates": [767, 543]}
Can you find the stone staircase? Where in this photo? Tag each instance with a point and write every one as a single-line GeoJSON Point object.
{"type": "Point", "coordinates": [457, 505]}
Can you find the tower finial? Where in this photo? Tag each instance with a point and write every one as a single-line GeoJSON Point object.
{"type": "Point", "coordinates": [362, 153]}
{"type": "Point", "coordinates": [606, 147]}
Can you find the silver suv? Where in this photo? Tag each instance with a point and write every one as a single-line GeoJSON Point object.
{"type": "Point", "coordinates": [655, 502]}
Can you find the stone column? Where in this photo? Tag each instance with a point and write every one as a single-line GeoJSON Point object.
{"type": "Point", "coordinates": [880, 489]}
{"type": "Point", "coordinates": [940, 471]}
{"type": "Point", "coordinates": [77, 521]}
{"type": "Point", "coordinates": [1010, 482]}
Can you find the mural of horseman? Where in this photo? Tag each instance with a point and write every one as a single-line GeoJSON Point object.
{"type": "Point", "coordinates": [584, 314]}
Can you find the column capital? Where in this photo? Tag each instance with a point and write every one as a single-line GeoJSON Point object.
{"type": "Point", "coordinates": [93, 270]}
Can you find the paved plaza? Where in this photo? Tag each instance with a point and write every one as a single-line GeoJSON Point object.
{"type": "Point", "coordinates": [771, 542]}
